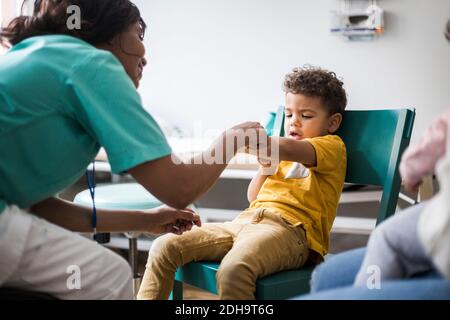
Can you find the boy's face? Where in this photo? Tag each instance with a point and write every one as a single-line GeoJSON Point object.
{"type": "Point", "coordinates": [307, 117]}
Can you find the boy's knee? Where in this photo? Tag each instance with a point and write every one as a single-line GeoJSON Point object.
{"type": "Point", "coordinates": [165, 248]}
{"type": "Point", "coordinates": [163, 244]}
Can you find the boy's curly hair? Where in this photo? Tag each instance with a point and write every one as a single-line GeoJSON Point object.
{"type": "Point", "coordinates": [316, 82]}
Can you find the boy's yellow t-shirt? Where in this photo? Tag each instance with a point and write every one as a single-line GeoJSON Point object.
{"type": "Point", "coordinates": [309, 196]}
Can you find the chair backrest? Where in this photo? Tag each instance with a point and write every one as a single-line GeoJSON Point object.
{"type": "Point", "coordinates": [375, 141]}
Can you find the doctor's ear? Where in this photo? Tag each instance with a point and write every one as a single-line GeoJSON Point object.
{"type": "Point", "coordinates": [334, 122]}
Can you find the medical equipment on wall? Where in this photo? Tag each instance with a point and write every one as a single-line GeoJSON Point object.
{"type": "Point", "coordinates": [358, 24]}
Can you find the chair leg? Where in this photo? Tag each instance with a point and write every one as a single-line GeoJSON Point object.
{"type": "Point", "coordinates": [177, 293]}
{"type": "Point", "coordinates": [133, 255]}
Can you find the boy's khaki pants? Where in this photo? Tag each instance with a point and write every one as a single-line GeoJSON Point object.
{"type": "Point", "coordinates": [257, 243]}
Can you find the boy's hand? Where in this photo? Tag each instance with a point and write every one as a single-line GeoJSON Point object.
{"type": "Point", "coordinates": [166, 219]}
{"type": "Point", "coordinates": [268, 157]}
{"type": "Point", "coordinates": [250, 136]}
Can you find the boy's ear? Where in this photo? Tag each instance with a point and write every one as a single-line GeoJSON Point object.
{"type": "Point", "coordinates": [334, 122]}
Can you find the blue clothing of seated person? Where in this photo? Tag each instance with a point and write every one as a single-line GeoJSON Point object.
{"type": "Point", "coordinates": [333, 280]}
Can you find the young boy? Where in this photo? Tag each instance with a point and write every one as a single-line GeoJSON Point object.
{"type": "Point", "coordinates": [291, 212]}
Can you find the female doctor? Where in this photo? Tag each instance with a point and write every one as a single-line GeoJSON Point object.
{"type": "Point", "coordinates": [64, 93]}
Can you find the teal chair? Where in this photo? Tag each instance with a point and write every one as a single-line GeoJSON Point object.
{"type": "Point", "coordinates": [375, 141]}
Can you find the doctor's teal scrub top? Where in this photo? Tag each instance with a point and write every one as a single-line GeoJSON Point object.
{"type": "Point", "coordinates": [61, 99]}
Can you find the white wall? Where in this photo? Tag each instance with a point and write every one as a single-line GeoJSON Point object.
{"type": "Point", "coordinates": [223, 61]}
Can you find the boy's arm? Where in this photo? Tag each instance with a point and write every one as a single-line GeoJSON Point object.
{"type": "Point", "coordinates": [295, 151]}
{"type": "Point", "coordinates": [255, 185]}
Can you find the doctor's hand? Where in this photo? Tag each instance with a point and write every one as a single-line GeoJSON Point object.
{"type": "Point", "coordinates": [170, 220]}
{"type": "Point", "coordinates": [248, 137]}
{"type": "Point", "coordinates": [269, 156]}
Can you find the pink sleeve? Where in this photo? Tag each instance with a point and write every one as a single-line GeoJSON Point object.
{"type": "Point", "coordinates": [420, 160]}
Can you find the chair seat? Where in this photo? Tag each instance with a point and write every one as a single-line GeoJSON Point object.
{"type": "Point", "coordinates": [278, 286]}
{"type": "Point", "coordinates": [125, 196]}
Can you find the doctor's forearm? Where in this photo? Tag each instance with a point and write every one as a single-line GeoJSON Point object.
{"type": "Point", "coordinates": [200, 176]}
{"type": "Point", "coordinates": [178, 184]}
{"type": "Point", "coordinates": [79, 219]}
